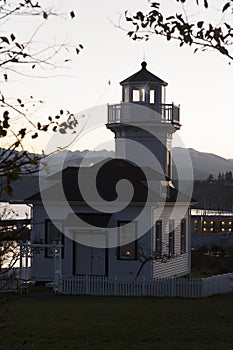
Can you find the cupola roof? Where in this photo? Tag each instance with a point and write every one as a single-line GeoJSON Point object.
{"type": "Point", "coordinates": [143, 76]}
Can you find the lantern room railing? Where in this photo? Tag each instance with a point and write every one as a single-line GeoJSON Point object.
{"type": "Point", "coordinates": [139, 113]}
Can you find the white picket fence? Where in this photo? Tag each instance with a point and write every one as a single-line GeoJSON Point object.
{"type": "Point", "coordinates": [164, 287]}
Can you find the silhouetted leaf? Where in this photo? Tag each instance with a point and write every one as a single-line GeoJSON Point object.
{"type": "Point", "coordinates": [170, 17]}
{"type": "Point", "coordinates": [130, 33]}
{"type": "Point", "coordinates": [6, 115]}
{"type": "Point", "coordinates": [5, 39]}
{"type": "Point", "coordinates": [129, 19]}
{"type": "Point", "coordinates": [206, 4]}
{"type": "Point", "coordinates": [223, 50]}
{"type": "Point", "coordinates": [5, 76]}
{"type": "Point", "coordinates": [72, 14]}
{"type": "Point", "coordinates": [35, 136]}
{"type": "Point", "coordinates": [77, 51]}
{"type": "Point", "coordinates": [225, 7]}
{"type": "Point", "coordinates": [3, 132]}
{"type": "Point", "coordinates": [180, 18]}
{"type": "Point", "coordinates": [12, 37]}
{"type": "Point", "coordinates": [45, 15]}
{"type": "Point", "coordinates": [200, 24]}
{"type": "Point", "coordinates": [228, 26]}
{"type": "Point", "coordinates": [155, 5]}
{"type": "Point", "coordinates": [18, 45]}
{"type": "Point", "coordinates": [45, 128]}
{"type": "Point", "coordinates": [22, 132]}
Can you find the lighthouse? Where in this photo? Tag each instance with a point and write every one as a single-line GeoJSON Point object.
{"type": "Point", "coordinates": [145, 118]}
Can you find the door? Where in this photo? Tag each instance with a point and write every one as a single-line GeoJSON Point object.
{"type": "Point", "coordinates": [89, 260]}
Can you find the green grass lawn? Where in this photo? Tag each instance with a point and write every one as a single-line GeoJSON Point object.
{"type": "Point", "coordinates": [85, 322]}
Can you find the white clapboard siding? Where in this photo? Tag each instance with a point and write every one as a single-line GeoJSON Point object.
{"type": "Point", "coordinates": [179, 265]}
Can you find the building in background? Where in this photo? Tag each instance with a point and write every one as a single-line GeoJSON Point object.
{"type": "Point", "coordinates": [211, 228]}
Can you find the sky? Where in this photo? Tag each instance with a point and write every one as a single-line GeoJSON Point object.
{"type": "Point", "coordinates": [201, 83]}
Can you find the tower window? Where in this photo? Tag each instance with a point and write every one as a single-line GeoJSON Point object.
{"type": "Point", "coordinates": [152, 96]}
{"type": "Point", "coordinates": [138, 95]}
{"type": "Point", "coordinates": [126, 94]}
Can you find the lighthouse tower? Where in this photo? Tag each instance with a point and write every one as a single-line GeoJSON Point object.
{"type": "Point", "coordinates": [144, 117]}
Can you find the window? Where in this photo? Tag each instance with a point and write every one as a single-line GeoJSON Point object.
{"type": "Point", "coordinates": [183, 236]}
{"type": "Point", "coordinates": [195, 223]}
{"type": "Point", "coordinates": [53, 235]}
{"type": "Point", "coordinates": [158, 237]}
{"type": "Point", "coordinates": [171, 238]}
{"type": "Point", "coordinates": [169, 164]}
{"type": "Point", "coordinates": [127, 232]}
{"type": "Point", "coordinates": [138, 95]}
{"type": "Point", "coordinates": [163, 94]}
{"type": "Point", "coordinates": [126, 94]}
{"type": "Point", "coordinates": [207, 226]}
{"type": "Point", "coordinates": [152, 96]}
{"type": "Point", "coordinates": [226, 226]}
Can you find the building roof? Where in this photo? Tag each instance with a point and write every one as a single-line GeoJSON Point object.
{"type": "Point", "coordinates": [106, 180]}
{"type": "Point", "coordinates": [143, 76]}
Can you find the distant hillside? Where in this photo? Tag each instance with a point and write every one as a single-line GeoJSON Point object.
{"type": "Point", "coordinates": [213, 195]}
{"type": "Point", "coordinates": [203, 163]}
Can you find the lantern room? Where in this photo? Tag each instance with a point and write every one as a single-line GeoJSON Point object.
{"type": "Point", "coordinates": [144, 87]}
{"type": "Point", "coordinates": [144, 90]}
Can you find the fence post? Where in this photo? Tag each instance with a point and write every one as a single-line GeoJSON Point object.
{"type": "Point", "coordinates": [20, 265]}
{"type": "Point", "coordinates": [87, 291]}
{"type": "Point", "coordinates": [143, 286]}
{"type": "Point", "coordinates": [115, 285]}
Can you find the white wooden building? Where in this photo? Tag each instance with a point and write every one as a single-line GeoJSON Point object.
{"type": "Point", "coordinates": [108, 239]}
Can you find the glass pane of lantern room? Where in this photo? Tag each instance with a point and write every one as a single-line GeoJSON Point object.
{"type": "Point", "coordinates": [136, 95]}
{"type": "Point", "coordinates": [164, 95]}
{"type": "Point", "coordinates": [152, 96]}
{"type": "Point", "coordinates": [142, 95]}
{"type": "Point", "coordinates": [126, 94]}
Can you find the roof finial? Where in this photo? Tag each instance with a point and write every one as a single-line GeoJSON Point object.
{"type": "Point", "coordinates": [144, 64]}
{"type": "Point", "coordinates": [144, 56]}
